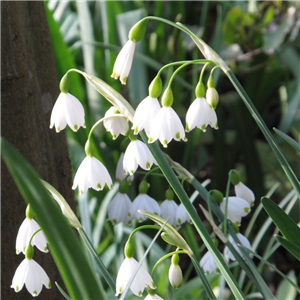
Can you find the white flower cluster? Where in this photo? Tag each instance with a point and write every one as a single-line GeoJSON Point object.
{"type": "Point", "coordinates": [237, 208]}
{"type": "Point", "coordinates": [29, 272]}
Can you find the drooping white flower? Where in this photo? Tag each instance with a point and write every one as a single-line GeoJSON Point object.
{"type": "Point", "coordinates": [237, 208]}
{"type": "Point", "coordinates": [166, 126]}
{"type": "Point", "coordinates": [123, 62]}
{"type": "Point", "coordinates": [26, 230]}
{"type": "Point", "coordinates": [208, 263]}
{"type": "Point", "coordinates": [118, 209]}
{"type": "Point", "coordinates": [168, 211]}
{"type": "Point", "coordinates": [120, 174]}
{"type": "Point", "coordinates": [145, 203]}
{"type": "Point", "coordinates": [242, 191]}
{"type": "Point", "coordinates": [30, 273]}
{"type": "Point", "coordinates": [115, 125]}
{"type": "Point", "coordinates": [144, 115]}
{"type": "Point", "coordinates": [153, 297]}
{"type": "Point", "coordinates": [140, 282]}
{"type": "Point", "coordinates": [181, 216]}
{"type": "Point", "coordinates": [67, 110]}
{"type": "Point", "coordinates": [91, 174]}
{"type": "Point", "coordinates": [175, 276]}
{"type": "Point", "coordinates": [137, 154]}
{"type": "Point", "coordinates": [200, 115]}
{"type": "Point", "coordinates": [243, 241]}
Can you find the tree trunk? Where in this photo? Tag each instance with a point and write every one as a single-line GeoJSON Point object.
{"type": "Point", "coordinates": [29, 90]}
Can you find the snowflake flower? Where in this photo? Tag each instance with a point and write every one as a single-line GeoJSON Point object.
{"type": "Point", "coordinates": [26, 230]}
{"type": "Point", "coordinates": [146, 203]}
{"type": "Point", "coordinates": [144, 115]}
{"type": "Point", "coordinates": [243, 241]}
{"type": "Point", "coordinates": [118, 209]}
{"type": "Point", "coordinates": [166, 126]}
{"type": "Point", "coordinates": [115, 125]}
{"type": "Point", "coordinates": [208, 263]}
{"type": "Point", "coordinates": [237, 208]}
{"type": "Point", "coordinates": [137, 154]}
{"type": "Point", "coordinates": [140, 282]}
{"type": "Point", "coordinates": [30, 273]}
{"type": "Point", "coordinates": [168, 210]}
{"type": "Point", "coordinates": [200, 115]}
{"type": "Point", "coordinates": [123, 62]}
{"type": "Point", "coordinates": [91, 174]}
{"type": "Point", "coordinates": [67, 110]}
{"type": "Point", "coordinates": [242, 191]}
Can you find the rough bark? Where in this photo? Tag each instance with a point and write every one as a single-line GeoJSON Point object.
{"type": "Point", "coordinates": [29, 90]}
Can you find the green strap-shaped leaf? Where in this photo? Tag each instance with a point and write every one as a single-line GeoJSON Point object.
{"type": "Point", "coordinates": [288, 139]}
{"type": "Point", "coordinates": [65, 248]}
{"type": "Point", "coordinates": [290, 246]}
{"type": "Point", "coordinates": [284, 223]}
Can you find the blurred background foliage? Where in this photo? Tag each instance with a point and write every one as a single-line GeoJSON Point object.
{"type": "Point", "coordinates": [260, 42]}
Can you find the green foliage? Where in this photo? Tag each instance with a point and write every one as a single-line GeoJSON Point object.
{"type": "Point", "coordinates": [259, 42]}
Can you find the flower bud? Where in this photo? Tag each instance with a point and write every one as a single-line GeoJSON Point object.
{"type": "Point", "coordinates": [29, 212]}
{"type": "Point", "coordinates": [169, 194]}
{"type": "Point", "coordinates": [65, 84]}
{"type": "Point", "coordinates": [123, 186]}
{"type": "Point", "coordinates": [200, 90]}
{"type": "Point", "coordinates": [217, 196]}
{"type": "Point", "coordinates": [175, 273]}
{"type": "Point", "coordinates": [143, 187]}
{"type": "Point", "coordinates": [235, 177]}
{"type": "Point", "coordinates": [167, 97]}
{"type": "Point", "coordinates": [137, 31]}
{"type": "Point", "coordinates": [29, 251]}
{"type": "Point", "coordinates": [129, 249]}
{"type": "Point", "coordinates": [89, 148]}
{"type": "Point", "coordinates": [212, 97]}
{"type": "Point", "coordinates": [155, 87]}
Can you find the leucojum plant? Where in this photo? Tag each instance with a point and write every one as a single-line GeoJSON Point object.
{"type": "Point", "coordinates": [150, 122]}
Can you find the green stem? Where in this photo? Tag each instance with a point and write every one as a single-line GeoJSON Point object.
{"type": "Point", "coordinates": [226, 203]}
{"type": "Point", "coordinates": [143, 227]}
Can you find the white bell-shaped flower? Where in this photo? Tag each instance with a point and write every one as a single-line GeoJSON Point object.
{"type": "Point", "coordinates": [208, 263]}
{"type": "Point", "coordinates": [30, 273]}
{"type": "Point", "coordinates": [145, 203]}
{"type": "Point", "coordinates": [67, 110]}
{"type": "Point", "coordinates": [175, 276]}
{"type": "Point", "coordinates": [115, 125]}
{"type": "Point", "coordinates": [118, 209]}
{"type": "Point", "coordinates": [200, 115]}
{"type": "Point", "coordinates": [120, 174]}
{"type": "Point", "coordinates": [123, 62]}
{"type": "Point", "coordinates": [181, 216]}
{"type": "Point", "coordinates": [137, 154]}
{"type": "Point", "coordinates": [243, 241]}
{"type": "Point", "coordinates": [168, 210]}
{"type": "Point", "coordinates": [237, 208]}
{"type": "Point", "coordinates": [91, 174]}
{"type": "Point", "coordinates": [140, 282]}
{"type": "Point", "coordinates": [242, 191]}
{"type": "Point", "coordinates": [144, 115]}
{"type": "Point", "coordinates": [26, 230]}
{"type": "Point", "coordinates": [166, 126]}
